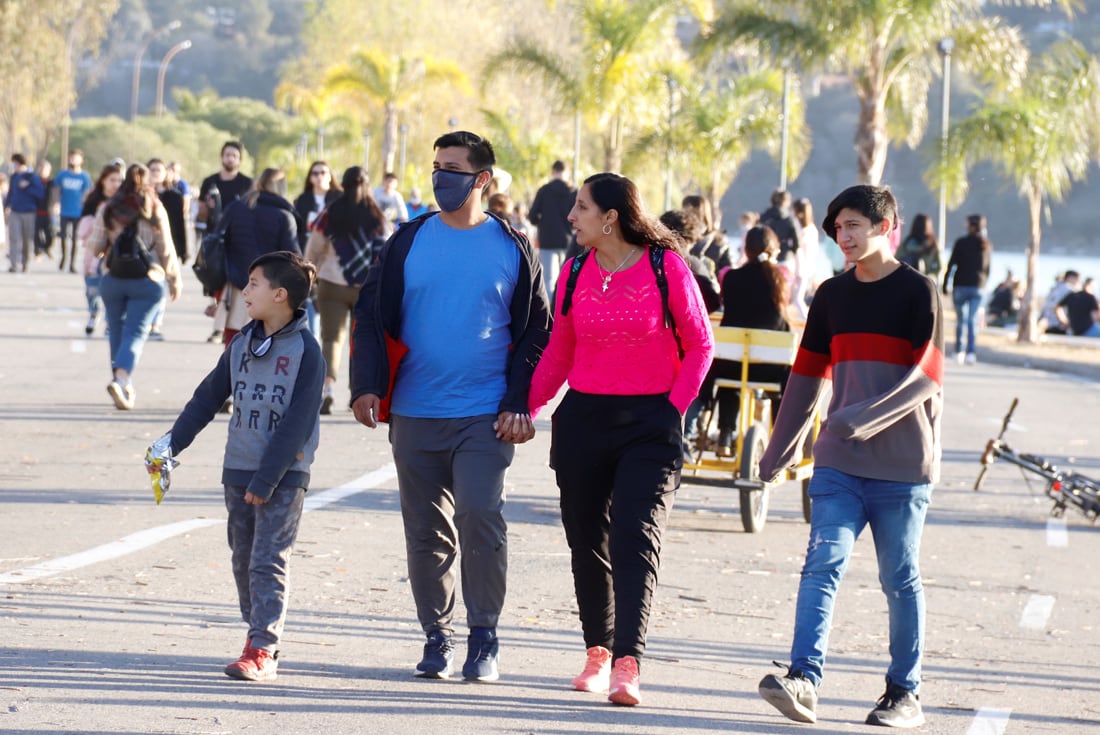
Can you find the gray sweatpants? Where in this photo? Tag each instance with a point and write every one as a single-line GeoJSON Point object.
{"type": "Point", "coordinates": [20, 238]}
{"type": "Point", "coordinates": [261, 538]}
{"type": "Point", "coordinates": [450, 473]}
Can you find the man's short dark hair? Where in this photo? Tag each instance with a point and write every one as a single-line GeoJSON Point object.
{"type": "Point", "coordinates": [1071, 274]}
{"type": "Point", "coordinates": [233, 144]}
{"type": "Point", "coordinates": [389, 175]}
{"type": "Point", "coordinates": [284, 269]}
{"type": "Point", "coordinates": [76, 152]}
{"type": "Point", "coordinates": [558, 167]}
{"type": "Point", "coordinates": [779, 196]}
{"type": "Point", "coordinates": [151, 161]}
{"type": "Point", "coordinates": [19, 159]}
{"type": "Point", "coordinates": [478, 150]}
{"type": "Point", "coordinates": [876, 203]}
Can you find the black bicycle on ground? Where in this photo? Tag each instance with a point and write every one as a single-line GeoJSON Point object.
{"type": "Point", "coordinates": [1064, 487]}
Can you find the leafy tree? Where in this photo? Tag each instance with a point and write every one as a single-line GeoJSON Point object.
{"type": "Point", "coordinates": [42, 43]}
{"type": "Point", "coordinates": [103, 138]}
{"type": "Point", "coordinates": [256, 125]}
{"type": "Point", "coordinates": [526, 155]}
{"type": "Point", "coordinates": [608, 82]}
{"type": "Point", "coordinates": [886, 48]}
{"type": "Point", "coordinates": [391, 82]}
{"type": "Point", "coordinates": [716, 127]}
{"type": "Point", "coordinates": [1043, 134]}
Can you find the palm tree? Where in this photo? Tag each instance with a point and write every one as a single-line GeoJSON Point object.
{"type": "Point", "coordinates": [394, 82]}
{"type": "Point", "coordinates": [1043, 134]}
{"type": "Point", "coordinates": [886, 49]}
{"type": "Point", "coordinates": [526, 155]}
{"type": "Point", "coordinates": [621, 44]}
{"type": "Point", "coordinates": [717, 126]}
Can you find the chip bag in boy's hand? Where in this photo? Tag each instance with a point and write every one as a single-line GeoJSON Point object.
{"type": "Point", "coordinates": [159, 464]}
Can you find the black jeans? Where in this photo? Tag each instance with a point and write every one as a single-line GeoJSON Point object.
{"type": "Point", "coordinates": [618, 461]}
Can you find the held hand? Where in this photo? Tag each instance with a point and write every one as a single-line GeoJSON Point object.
{"type": "Point", "coordinates": [516, 428]}
{"type": "Point", "coordinates": [253, 499]}
{"type": "Point", "coordinates": [365, 408]}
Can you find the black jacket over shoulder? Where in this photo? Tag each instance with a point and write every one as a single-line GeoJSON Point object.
{"type": "Point", "coordinates": [378, 313]}
{"type": "Point", "coordinates": [253, 231]}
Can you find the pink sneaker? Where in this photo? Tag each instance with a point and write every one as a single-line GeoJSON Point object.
{"type": "Point", "coordinates": [624, 682]}
{"type": "Point", "coordinates": [597, 671]}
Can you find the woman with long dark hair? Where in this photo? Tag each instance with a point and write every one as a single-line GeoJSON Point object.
{"type": "Point", "coordinates": [920, 249]}
{"type": "Point", "coordinates": [342, 247]}
{"type": "Point", "coordinates": [318, 191]}
{"type": "Point", "coordinates": [109, 181]}
{"type": "Point", "coordinates": [754, 296]}
{"type": "Point", "coordinates": [634, 360]}
{"type": "Point", "coordinates": [131, 302]}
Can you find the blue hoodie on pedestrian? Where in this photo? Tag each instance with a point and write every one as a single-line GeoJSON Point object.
{"type": "Point", "coordinates": [25, 197]}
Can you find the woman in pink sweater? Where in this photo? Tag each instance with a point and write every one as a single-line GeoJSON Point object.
{"type": "Point", "coordinates": [634, 360]}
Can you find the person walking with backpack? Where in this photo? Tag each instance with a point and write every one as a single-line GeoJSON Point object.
{"type": "Point", "coordinates": [341, 245]}
{"type": "Point", "coordinates": [132, 233]}
{"type": "Point", "coordinates": [632, 337]}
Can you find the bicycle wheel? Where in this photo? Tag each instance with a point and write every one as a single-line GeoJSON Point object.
{"type": "Point", "coordinates": [754, 503]}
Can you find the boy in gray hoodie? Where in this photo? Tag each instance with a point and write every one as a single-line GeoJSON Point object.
{"type": "Point", "coordinates": [274, 372]}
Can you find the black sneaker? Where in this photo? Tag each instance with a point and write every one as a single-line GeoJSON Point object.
{"type": "Point", "coordinates": [794, 695]}
{"type": "Point", "coordinates": [898, 707]}
{"type": "Point", "coordinates": [439, 657]}
{"type": "Point", "coordinates": [483, 650]}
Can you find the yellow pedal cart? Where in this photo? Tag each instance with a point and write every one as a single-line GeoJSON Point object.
{"type": "Point", "coordinates": [742, 469]}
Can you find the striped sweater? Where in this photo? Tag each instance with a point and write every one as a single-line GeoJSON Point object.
{"type": "Point", "coordinates": [879, 345]}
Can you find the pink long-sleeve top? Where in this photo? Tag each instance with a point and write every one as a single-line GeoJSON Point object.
{"type": "Point", "coordinates": [616, 342]}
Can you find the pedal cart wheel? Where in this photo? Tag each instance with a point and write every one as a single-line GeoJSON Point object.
{"type": "Point", "coordinates": [754, 501]}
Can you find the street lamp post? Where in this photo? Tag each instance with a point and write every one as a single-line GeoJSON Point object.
{"type": "Point", "coordinates": [785, 126]}
{"type": "Point", "coordinates": [668, 142]}
{"type": "Point", "coordinates": [404, 130]}
{"type": "Point", "coordinates": [182, 46]}
{"type": "Point", "coordinates": [321, 142]}
{"type": "Point", "coordinates": [135, 83]}
{"type": "Point", "coordinates": [577, 144]}
{"type": "Point", "coordinates": [366, 151]}
{"type": "Point", "coordinates": [945, 47]}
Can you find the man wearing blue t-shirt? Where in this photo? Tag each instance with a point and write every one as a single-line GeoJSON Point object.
{"type": "Point", "coordinates": [463, 292]}
{"type": "Point", "coordinates": [73, 184]}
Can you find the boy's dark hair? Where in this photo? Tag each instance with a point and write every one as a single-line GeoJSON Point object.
{"type": "Point", "coordinates": [478, 150]}
{"type": "Point", "coordinates": [558, 167]}
{"type": "Point", "coordinates": [151, 161]}
{"type": "Point", "coordinates": [18, 159]}
{"type": "Point", "coordinates": [284, 269]}
{"type": "Point", "coordinates": [233, 144]}
{"type": "Point", "coordinates": [876, 203]}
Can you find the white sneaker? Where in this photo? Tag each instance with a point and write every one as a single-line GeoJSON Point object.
{"type": "Point", "coordinates": [960, 357]}
{"type": "Point", "coordinates": [971, 358]}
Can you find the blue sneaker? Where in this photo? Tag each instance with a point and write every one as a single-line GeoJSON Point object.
{"type": "Point", "coordinates": [483, 650]}
{"type": "Point", "coordinates": [439, 657]}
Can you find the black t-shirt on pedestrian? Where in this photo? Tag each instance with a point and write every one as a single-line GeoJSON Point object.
{"type": "Point", "coordinates": [229, 191]}
{"type": "Point", "coordinates": [1079, 307]}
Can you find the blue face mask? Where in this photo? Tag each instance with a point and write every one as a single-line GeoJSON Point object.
{"type": "Point", "coordinates": [452, 188]}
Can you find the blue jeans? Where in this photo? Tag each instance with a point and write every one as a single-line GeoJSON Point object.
{"type": "Point", "coordinates": [131, 304]}
{"type": "Point", "coordinates": [842, 505]}
{"type": "Point", "coordinates": [968, 299]}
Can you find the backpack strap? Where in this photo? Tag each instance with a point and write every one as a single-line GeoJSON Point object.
{"type": "Point", "coordinates": [657, 261]}
{"type": "Point", "coordinates": [571, 282]}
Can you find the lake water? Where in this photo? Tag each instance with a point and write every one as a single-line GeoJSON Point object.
{"type": "Point", "coordinates": [1050, 265]}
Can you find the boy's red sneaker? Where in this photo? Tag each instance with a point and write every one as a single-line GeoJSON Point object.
{"type": "Point", "coordinates": [255, 664]}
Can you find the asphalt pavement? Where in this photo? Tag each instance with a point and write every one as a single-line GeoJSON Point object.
{"type": "Point", "coordinates": [118, 615]}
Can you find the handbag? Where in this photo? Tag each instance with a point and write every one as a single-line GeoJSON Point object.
{"type": "Point", "coordinates": [209, 266]}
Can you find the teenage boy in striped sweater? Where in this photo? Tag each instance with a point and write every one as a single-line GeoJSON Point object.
{"type": "Point", "coordinates": [875, 333]}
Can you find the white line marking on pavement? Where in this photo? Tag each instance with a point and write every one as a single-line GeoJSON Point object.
{"type": "Point", "coordinates": [78, 345]}
{"type": "Point", "coordinates": [989, 721]}
{"type": "Point", "coordinates": [126, 545]}
{"type": "Point", "coordinates": [1037, 611]}
{"type": "Point", "coordinates": [151, 536]}
{"type": "Point", "coordinates": [1057, 535]}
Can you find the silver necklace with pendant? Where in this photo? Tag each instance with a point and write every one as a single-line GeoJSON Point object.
{"type": "Point", "coordinates": [607, 276]}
